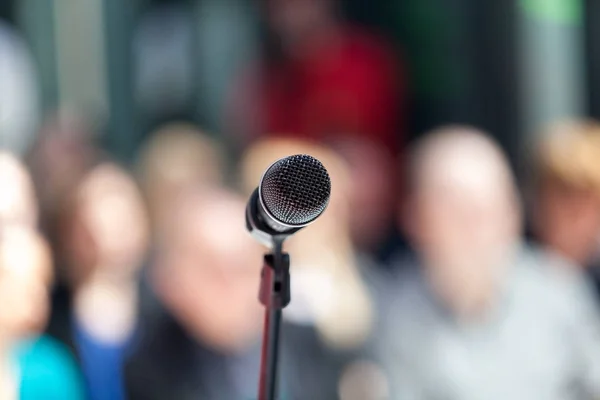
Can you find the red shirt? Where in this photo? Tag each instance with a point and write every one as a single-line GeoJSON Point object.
{"type": "Point", "coordinates": [352, 88]}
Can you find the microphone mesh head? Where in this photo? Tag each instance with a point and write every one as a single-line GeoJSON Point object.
{"type": "Point", "coordinates": [296, 189]}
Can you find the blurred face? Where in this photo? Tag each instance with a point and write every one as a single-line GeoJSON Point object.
{"type": "Point", "coordinates": [24, 284]}
{"type": "Point", "coordinates": [458, 229]}
{"type": "Point", "coordinates": [463, 224]}
{"type": "Point", "coordinates": [17, 199]}
{"type": "Point", "coordinates": [568, 220]}
{"type": "Point", "coordinates": [212, 276]}
{"type": "Point", "coordinates": [110, 228]}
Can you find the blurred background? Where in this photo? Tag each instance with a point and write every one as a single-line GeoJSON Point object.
{"type": "Point", "coordinates": [461, 139]}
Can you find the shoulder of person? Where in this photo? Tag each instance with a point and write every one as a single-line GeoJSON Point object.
{"type": "Point", "coordinates": [161, 361]}
{"type": "Point", "coordinates": [552, 267]}
{"type": "Point", "coordinates": [49, 370]}
{"type": "Point", "coordinates": [400, 287]}
{"type": "Point", "coordinates": [558, 280]}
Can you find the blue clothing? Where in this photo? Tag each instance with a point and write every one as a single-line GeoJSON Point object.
{"type": "Point", "coordinates": [47, 371]}
{"type": "Point", "coordinates": [102, 365]}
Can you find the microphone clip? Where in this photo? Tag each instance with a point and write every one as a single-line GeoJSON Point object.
{"type": "Point", "coordinates": [275, 281]}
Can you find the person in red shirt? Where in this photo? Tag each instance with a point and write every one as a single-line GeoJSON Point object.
{"type": "Point", "coordinates": [324, 79]}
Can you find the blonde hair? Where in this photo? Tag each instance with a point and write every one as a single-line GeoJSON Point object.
{"type": "Point", "coordinates": [327, 248]}
{"type": "Point", "coordinates": [176, 157]}
{"type": "Point", "coordinates": [180, 153]}
{"type": "Point", "coordinates": [569, 153]}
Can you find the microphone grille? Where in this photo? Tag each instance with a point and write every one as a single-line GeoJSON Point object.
{"type": "Point", "coordinates": [296, 189]}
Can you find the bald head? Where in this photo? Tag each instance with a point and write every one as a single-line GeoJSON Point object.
{"type": "Point", "coordinates": [17, 198]}
{"type": "Point", "coordinates": [460, 158]}
{"type": "Point", "coordinates": [464, 215]}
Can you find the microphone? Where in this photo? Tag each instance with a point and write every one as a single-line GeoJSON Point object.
{"type": "Point", "coordinates": [293, 192]}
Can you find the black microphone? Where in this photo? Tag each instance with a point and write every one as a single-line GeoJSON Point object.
{"type": "Point", "coordinates": [292, 193]}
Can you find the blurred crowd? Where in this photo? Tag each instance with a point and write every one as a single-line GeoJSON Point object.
{"type": "Point", "coordinates": [433, 274]}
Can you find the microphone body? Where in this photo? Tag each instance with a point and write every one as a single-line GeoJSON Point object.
{"type": "Point", "coordinates": [293, 192]}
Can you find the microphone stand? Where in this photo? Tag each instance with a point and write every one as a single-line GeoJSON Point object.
{"type": "Point", "coordinates": [275, 296]}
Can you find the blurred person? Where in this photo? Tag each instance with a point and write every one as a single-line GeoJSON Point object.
{"type": "Point", "coordinates": [32, 366]}
{"type": "Point", "coordinates": [18, 203]}
{"type": "Point", "coordinates": [566, 203]}
{"type": "Point", "coordinates": [325, 253]}
{"type": "Point", "coordinates": [330, 321]}
{"type": "Point", "coordinates": [58, 160]}
{"type": "Point", "coordinates": [176, 157]}
{"type": "Point", "coordinates": [477, 315]}
{"type": "Point", "coordinates": [205, 341]}
{"type": "Point", "coordinates": [19, 92]}
{"type": "Point", "coordinates": [374, 192]}
{"type": "Point", "coordinates": [62, 153]}
{"type": "Point", "coordinates": [105, 233]}
{"type": "Point", "coordinates": [323, 78]}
